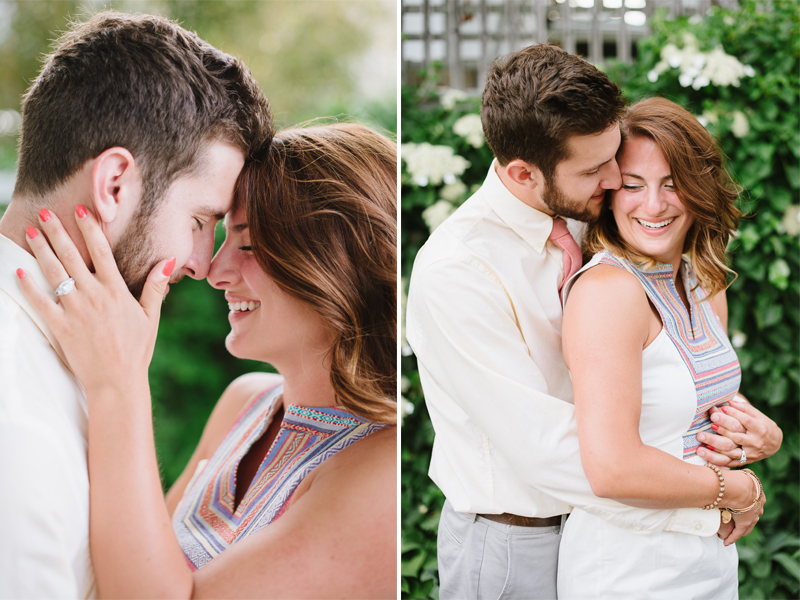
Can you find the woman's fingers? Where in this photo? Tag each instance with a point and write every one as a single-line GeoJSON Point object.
{"type": "Point", "coordinates": [155, 287]}
{"type": "Point", "coordinates": [726, 421]}
{"type": "Point", "coordinates": [105, 267]}
{"type": "Point", "coordinates": [719, 443]}
{"type": "Point", "coordinates": [67, 261]}
{"type": "Point", "coordinates": [52, 313]}
{"type": "Point", "coordinates": [713, 457]}
{"type": "Point", "coordinates": [53, 270]}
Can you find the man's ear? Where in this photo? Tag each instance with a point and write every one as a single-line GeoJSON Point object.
{"type": "Point", "coordinates": [524, 174]}
{"type": "Point", "coordinates": [116, 184]}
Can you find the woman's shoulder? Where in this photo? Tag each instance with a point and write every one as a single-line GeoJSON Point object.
{"type": "Point", "coordinates": [606, 275]}
{"type": "Point", "coordinates": [606, 298]}
{"type": "Point", "coordinates": [378, 450]}
{"type": "Point", "coordinates": [368, 468]}
{"type": "Point", "coordinates": [235, 400]}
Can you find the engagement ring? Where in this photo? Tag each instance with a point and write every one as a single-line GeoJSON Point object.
{"type": "Point", "coordinates": [65, 287]}
{"type": "Point", "coordinates": [743, 457]}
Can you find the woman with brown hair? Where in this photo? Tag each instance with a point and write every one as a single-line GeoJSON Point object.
{"type": "Point", "coordinates": [291, 491]}
{"type": "Point", "coordinates": [644, 337]}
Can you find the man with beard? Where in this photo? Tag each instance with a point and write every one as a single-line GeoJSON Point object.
{"type": "Point", "coordinates": [146, 125]}
{"type": "Point", "coordinates": [484, 319]}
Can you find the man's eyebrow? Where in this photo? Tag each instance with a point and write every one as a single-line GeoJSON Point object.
{"type": "Point", "coordinates": [596, 167]}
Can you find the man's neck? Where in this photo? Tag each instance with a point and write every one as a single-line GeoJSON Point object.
{"type": "Point", "coordinates": [23, 212]}
{"type": "Point", "coordinates": [20, 215]}
{"type": "Point", "coordinates": [523, 194]}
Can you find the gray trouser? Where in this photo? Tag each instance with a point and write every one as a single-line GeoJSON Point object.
{"type": "Point", "coordinates": [481, 560]}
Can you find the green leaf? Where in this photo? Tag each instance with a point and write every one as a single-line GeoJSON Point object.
{"type": "Point", "coordinates": [411, 567]}
{"type": "Point", "coordinates": [791, 564]}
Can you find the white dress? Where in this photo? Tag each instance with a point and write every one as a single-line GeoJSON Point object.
{"type": "Point", "coordinates": [688, 368]}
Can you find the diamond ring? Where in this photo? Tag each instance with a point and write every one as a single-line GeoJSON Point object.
{"type": "Point", "coordinates": [65, 287]}
{"type": "Point", "coordinates": [743, 457]}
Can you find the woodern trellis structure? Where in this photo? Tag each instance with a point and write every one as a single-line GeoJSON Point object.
{"type": "Point", "coordinates": [463, 37]}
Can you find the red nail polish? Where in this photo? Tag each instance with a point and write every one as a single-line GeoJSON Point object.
{"type": "Point", "coordinates": [32, 233]}
{"type": "Point", "coordinates": [711, 448]}
{"type": "Point", "coordinates": [725, 409]}
{"type": "Point", "coordinates": [20, 273]}
{"type": "Point", "coordinates": [80, 211]}
{"type": "Point", "coordinates": [169, 267]}
{"type": "Point", "coordinates": [44, 215]}
{"type": "Point", "coordinates": [715, 427]}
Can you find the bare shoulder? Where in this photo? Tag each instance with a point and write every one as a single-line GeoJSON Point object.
{"type": "Point", "coordinates": [605, 303]}
{"type": "Point", "coordinates": [237, 396]}
{"type": "Point", "coordinates": [378, 449]}
{"type": "Point", "coordinates": [369, 464]}
{"type": "Point", "coordinates": [606, 285]}
{"type": "Point", "coordinates": [719, 302]}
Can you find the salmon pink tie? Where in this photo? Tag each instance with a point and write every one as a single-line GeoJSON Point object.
{"type": "Point", "coordinates": [573, 260]}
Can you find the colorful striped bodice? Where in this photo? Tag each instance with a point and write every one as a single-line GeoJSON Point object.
{"type": "Point", "coordinates": [205, 522]}
{"type": "Point", "coordinates": [698, 336]}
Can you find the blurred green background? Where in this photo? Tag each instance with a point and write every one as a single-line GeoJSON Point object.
{"type": "Point", "coordinates": [749, 100]}
{"type": "Point", "coordinates": [311, 58]}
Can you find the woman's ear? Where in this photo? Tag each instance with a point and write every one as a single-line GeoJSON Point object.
{"type": "Point", "coordinates": [116, 184]}
{"type": "Point", "coordinates": [524, 174]}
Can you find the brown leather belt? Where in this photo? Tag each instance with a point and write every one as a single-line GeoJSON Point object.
{"type": "Point", "coordinates": [508, 519]}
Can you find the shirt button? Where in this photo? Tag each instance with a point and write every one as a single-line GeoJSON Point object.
{"type": "Point", "coordinates": [698, 526]}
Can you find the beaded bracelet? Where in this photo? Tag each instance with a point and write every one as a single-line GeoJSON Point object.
{"type": "Point", "coordinates": [716, 470]}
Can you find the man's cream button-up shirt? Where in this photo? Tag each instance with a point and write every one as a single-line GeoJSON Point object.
{"type": "Point", "coordinates": [484, 320]}
{"type": "Point", "coordinates": [44, 483]}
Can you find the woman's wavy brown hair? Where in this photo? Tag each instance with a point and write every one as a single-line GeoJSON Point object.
{"type": "Point", "coordinates": [321, 206]}
{"type": "Point", "coordinates": [701, 181]}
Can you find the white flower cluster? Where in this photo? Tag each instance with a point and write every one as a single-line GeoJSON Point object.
{"type": "Point", "coordinates": [699, 69]}
{"type": "Point", "coordinates": [454, 192]}
{"type": "Point", "coordinates": [791, 220]}
{"type": "Point", "coordinates": [437, 213]}
{"type": "Point", "coordinates": [449, 97]}
{"type": "Point", "coordinates": [740, 126]}
{"type": "Point", "coordinates": [738, 339]}
{"type": "Point", "coordinates": [470, 128]}
{"type": "Point", "coordinates": [432, 165]}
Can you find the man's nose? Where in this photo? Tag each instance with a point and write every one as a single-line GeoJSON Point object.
{"type": "Point", "coordinates": [200, 260]}
{"type": "Point", "coordinates": [612, 180]}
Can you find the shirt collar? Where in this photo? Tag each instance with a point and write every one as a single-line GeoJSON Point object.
{"type": "Point", "coordinates": [530, 224]}
{"type": "Point", "coordinates": [12, 257]}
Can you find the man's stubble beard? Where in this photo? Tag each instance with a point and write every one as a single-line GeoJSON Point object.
{"type": "Point", "coordinates": [559, 203]}
{"type": "Point", "coordinates": [134, 252]}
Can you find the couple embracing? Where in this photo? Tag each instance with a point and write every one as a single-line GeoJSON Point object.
{"type": "Point", "coordinates": [587, 416]}
{"type": "Point", "coordinates": [137, 138]}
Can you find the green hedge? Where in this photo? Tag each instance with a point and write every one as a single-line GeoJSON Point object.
{"type": "Point", "coordinates": [755, 120]}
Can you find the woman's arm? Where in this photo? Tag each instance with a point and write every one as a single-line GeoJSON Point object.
{"type": "Point", "coordinates": [606, 325]}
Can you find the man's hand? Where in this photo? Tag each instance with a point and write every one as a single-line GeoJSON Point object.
{"type": "Point", "coordinates": [739, 427]}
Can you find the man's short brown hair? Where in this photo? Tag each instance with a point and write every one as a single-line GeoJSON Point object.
{"type": "Point", "coordinates": [139, 82]}
{"type": "Point", "coordinates": [537, 98]}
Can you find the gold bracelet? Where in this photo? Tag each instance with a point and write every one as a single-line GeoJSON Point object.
{"type": "Point", "coordinates": [759, 491]}
{"type": "Point", "coordinates": [716, 470]}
